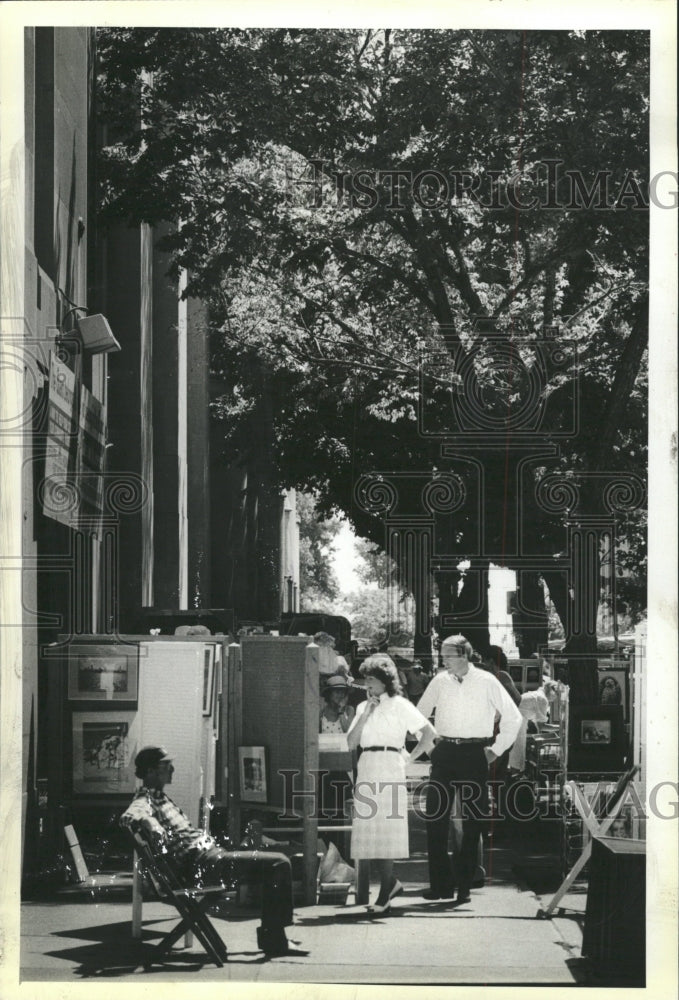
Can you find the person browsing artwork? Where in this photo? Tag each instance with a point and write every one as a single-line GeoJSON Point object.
{"type": "Point", "coordinates": [534, 708]}
{"type": "Point", "coordinates": [335, 791]}
{"type": "Point", "coordinates": [337, 714]}
{"type": "Point", "coordinates": [380, 824]}
{"type": "Point", "coordinates": [465, 702]}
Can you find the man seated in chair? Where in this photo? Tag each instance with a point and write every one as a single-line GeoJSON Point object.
{"type": "Point", "coordinates": [197, 857]}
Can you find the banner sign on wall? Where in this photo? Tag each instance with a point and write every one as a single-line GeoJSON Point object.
{"type": "Point", "coordinates": [76, 447]}
{"type": "Point", "coordinates": [91, 452]}
{"type": "Point", "coordinates": [59, 500]}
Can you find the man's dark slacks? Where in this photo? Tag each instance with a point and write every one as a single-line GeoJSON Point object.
{"type": "Point", "coordinates": [273, 869]}
{"type": "Point", "coordinates": [457, 769]}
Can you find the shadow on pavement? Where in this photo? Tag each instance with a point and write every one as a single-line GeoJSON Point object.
{"type": "Point", "coordinates": [112, 952]}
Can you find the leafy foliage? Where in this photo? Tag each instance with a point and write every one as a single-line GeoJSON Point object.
{"type": "Point", "coordinates": [319, 586]}
{"type": "Point", "coordinates": [368, 610]}
{"type": "Point", "coordinates": [329, 308]}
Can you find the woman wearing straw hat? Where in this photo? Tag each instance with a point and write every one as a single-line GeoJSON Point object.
{"type": "Point", "coordinates": [335, 789]}
{"type": "Point", "coordinates": [380, 824]}
{"type": "Point", "coordinates": [337, 714]}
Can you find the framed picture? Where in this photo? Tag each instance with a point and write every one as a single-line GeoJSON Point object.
{"type": "Point", "coordinates": [595, 731]}
{"type": "Point", "coordinates": [252, 774]}
{"type": "Point", "coordinates": [614, 688]}
{"type": "Point", "coordinates": [533, 677]}
{"type": "Point", "coordinates": [208, 679]}
{"type": "Point", "coordinates": [104, 747]}
{"type": "Point", "coordinates": [596, 738]}
{"type": "Point", "coordinates": [103, 673]}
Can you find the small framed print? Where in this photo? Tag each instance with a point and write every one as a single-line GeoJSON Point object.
{"type": "Point", "coordinates": [103, 673]}
{"type": "Point", "coordinates": [208, 679]}
{"type": "Point", "coordinates": [252, 774]}
{"type": "Point", "coordinates": [533, 677]}
{"type": "Point", "coordinates": [613, 689]}
{"type": "Point", "coordinates": [104, 746]}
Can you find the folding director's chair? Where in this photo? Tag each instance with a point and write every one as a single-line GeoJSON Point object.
{"type": "Point", "coordinates": [190, 903]}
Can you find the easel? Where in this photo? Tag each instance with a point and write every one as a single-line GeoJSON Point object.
{"type": "Point", "coordinates": [596, 828]}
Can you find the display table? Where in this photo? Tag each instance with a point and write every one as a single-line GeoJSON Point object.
{"type": "Point", "coordinates": [614, 937]}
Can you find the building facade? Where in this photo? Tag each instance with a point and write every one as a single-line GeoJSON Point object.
{"type": "Point", "coordinates": [110, 501]}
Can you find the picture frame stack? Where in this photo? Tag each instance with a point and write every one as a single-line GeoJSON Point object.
{"type": "Point", "coordinates": [103, 691]}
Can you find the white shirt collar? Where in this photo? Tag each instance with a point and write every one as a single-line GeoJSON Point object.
{"type": "Point", "coordinates": [454, 677]}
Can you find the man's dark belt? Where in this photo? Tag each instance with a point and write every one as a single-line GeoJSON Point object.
{"type": "Point", "coordinates": [395, 749]}
{"type": "Point", "coordinates": [485, 740]}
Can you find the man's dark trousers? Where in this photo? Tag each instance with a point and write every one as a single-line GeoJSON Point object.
{"type": "Point", "coordinates": [456, 769]}
{"type": "Point", "coordinates": [218, 864]}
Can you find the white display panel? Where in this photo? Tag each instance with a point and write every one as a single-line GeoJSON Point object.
{"type": "Point", "coordinates": [170, 708]}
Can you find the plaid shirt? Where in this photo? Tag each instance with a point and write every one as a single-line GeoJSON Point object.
{"type": "Point", "coordinates": [181, 838]}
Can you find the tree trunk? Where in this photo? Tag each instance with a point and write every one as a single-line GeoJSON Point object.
{"type": "Point", "coordinates": [530, 631]}
{"type": "Point", "coordinates": [583, 678]}
{"type": "Point", "coordinates": [423, 650]}
{"type": "Point", "coordinates": [469, 616]}
{"type": "Point", "coordinates": [579, 648]}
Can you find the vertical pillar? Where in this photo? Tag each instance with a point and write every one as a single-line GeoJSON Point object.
{"type": "Point", "coordinates": [234, 724]}
{"type": "Point", "coordinates": [182, 450]}
{"type": "Point", "coordinates": [310, 775]}
{"type": "Point", "coordinates": [146, 408]}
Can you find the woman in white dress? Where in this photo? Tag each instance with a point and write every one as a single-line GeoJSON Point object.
{"type": "Point", "coordinates": [380, 825]}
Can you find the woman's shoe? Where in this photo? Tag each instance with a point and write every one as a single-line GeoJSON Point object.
{"type": "Point", "coordinates": [396, 890]}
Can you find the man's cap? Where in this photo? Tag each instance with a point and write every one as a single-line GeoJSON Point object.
{"type": "Point", "coordinates": [150, 757]}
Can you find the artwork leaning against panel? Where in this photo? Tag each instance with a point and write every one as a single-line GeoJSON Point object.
{"type": "Point", "coordinates": [104, 745]}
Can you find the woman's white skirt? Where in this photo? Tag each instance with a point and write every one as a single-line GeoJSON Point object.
{"type": "Point", "coordinates": [380, 819]}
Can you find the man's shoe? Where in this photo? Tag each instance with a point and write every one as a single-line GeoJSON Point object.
{"type": "Point", "coordinates": [272, 942]}
{"type": "Point", "coordinates": [463, 896]}
{"type": "Point", "coordinates": [434, 894]}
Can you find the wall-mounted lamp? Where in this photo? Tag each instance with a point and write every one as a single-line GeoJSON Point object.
{"type": "Point", "coordinates": [92, 332]}
{"type": "Point", "coordinates": [97, 334]}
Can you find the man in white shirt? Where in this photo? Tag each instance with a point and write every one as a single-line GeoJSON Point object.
{"type": "Point", "coordinates": [465, 701]}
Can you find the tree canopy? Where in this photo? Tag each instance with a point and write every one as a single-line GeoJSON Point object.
{"type": "Point", "coordinates": [287, 161]}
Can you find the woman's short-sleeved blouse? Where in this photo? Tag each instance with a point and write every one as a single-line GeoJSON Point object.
{"type": "Point", "coordinates": [389, 722]}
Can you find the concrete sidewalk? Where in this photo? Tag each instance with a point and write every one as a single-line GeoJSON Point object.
{"type": "Point", "coordinates": [495, 939]}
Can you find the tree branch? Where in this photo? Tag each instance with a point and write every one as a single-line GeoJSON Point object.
{"type": "Point", "coordinates": [411, 283]}
{"type": "Point", "coordinates": [410, 231]}
{"type": "Point", "coordinates": [625, 377]}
